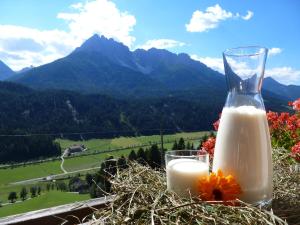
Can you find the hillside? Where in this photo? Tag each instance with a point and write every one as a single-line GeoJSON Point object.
{"type": "Point", "coordinates": [291, 92]}
{"type": "Point", "coordinates": [104, 66]}
{"type": "Point", "coordinates": [31, 111]}
{"type": "Point", "coordinates": [5, 71]}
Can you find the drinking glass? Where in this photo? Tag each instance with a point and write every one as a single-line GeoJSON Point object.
{"type": "Point", "coordinates": [184, 169]}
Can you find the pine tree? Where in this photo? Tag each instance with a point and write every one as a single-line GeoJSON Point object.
{"type": "Point", "coordinates": [39, 190]}
{"type": "Point", "coordinates": [154, 156]}
{"type": "Point", "coordinates": [89, 179]}
{"type": "Point", "coordinates": [122, 163]}
{"type": "Point", "coordinates": [181, 144]}
{"type": "Point", "coordinates": [110, 166]}
{"type": "Point", "coordinates": [33, 192]}
{"type": "Point", "coordinates": [175, 146]}
{"type": "Point", "coordinates": [132, 156]}
{"type": "Point", "coordinates": [48, 186]}
{"type": "Point", "coordinates": [12, 197]}
{"type": "Point", "coordinates": [188, 145]}
{"type": "Point", "coordinates": [93, 191]}
{"type": "Point", "coordinates": [23, 193]}
{"type": "Point", "coordinates": [141, 156]}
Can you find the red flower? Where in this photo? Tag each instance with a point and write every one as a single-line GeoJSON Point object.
{"type": "Point", "coordinates": [292, 123]}
{"type": "Point", "coordinates": [273, 120]}
{"type": "Point", "coordinates": [209, 146]}
{"type": "Point", "coordinates": [295, 152]}
{"type": "Point", "coordinates": [298, 123]}
{"type": "Point", "coordinates": [296, 105]}
{"type": "Point", "coordinates": [216, 124]}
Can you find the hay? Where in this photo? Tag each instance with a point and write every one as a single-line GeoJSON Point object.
{"type": "Point", "coordinates": [141, 198]}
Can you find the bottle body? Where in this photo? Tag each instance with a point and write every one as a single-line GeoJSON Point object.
{"type": "Point", "coordinates": [243, 146]}
{"type": "Point", "coordinates": [243, 149]}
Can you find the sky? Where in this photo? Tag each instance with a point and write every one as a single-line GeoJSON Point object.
{"type": "Point", "coordinates": [36, 32]}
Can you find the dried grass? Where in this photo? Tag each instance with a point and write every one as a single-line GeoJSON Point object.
{"type": "Point", "coordinates": [141, 198]}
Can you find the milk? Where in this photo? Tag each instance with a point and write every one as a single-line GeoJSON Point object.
{"type": "Point", "coordinates": [183, 176]}
{"type": "Point", "coordinates": [243, 150]}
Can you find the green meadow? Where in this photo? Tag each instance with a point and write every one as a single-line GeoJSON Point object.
{"type": "Point", "coordinates": [46, 200]}
{"type": "Point", "coordinates": [121, 142]}
{"type": "Point", "coordinates": [83, 162]}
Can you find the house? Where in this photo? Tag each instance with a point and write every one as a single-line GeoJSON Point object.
{"type": "Point", "coordinates": [76, 148]}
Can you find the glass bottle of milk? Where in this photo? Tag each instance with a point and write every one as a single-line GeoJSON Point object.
{"type": "Point", "coordinates": [243, 147]}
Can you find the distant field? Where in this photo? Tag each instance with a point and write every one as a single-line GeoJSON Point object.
{"type": "Point", "coordinates": [43, 169]}
{"type": "Point", "coordinates": [104, 144]}
{"type": "Point", "coordinates": [6, 189]}
{"type": "Point", "coordinates": [46, 200]}
{"type": "Point", "coordinates": [90, 161]}
{"type": "Point", "coordinates": [28, 172]}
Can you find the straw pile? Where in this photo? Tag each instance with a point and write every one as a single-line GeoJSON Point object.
{"type": "Point", "coordinates": [141, 198]}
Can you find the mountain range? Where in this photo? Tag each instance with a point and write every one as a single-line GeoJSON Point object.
{"type": "Point", "coordinates": [5, 71]}
{"type": "Point", "coordinates": [102, 65]}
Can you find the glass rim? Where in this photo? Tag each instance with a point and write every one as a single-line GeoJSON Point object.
{"type": "Point", "coordinates": [257, 50]}
{"type": "Point", "coordinates": [172, 153]}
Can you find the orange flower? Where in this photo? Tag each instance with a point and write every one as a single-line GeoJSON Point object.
{"type": "Point", "coordinates": [217, 187]}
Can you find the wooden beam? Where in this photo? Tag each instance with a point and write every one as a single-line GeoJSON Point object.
{"type": "Point", "coordinates": [64, 214]}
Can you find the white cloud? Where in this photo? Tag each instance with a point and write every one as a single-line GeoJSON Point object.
{"type": "Point", "coordinates": [102, 17]}
{"type": "Point", "coordinates": [214, 63]}
{"type": "Point", "coordinates": [218, 65]}
{"type": "Point", "coordinates": [27, 46]}
{"type": "Point", "coordinates": [274, 51]}
{"type": "Point", "coordinates": [78, 5]}
{"type": "Point", "coordinates": [161, 44]}
{"type": "Point", "coordinates": [42, 46]}
{"type": "Point", "coordinates": [211, 17]}
{"type": "Point", "coordinates": [285, 75]}
{"type": "Point", "coordinates": [248, 16]}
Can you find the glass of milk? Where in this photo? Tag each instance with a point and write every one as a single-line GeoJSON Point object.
{"type": "Point", "coordinates": [243, 147]}
{"type": "Point", "coordinates": [184, 169]}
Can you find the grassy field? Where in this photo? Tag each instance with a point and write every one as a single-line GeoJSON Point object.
{"type": "Point", "coordinates": [53, 198]}
{"type": "Point", "coordinates": [71, 164]}
{"type": "Point", "coordinates": [28, 172]}
{"type": "Point", "coordinates": [6, 189]}
{"type": "Point", "coordinates": [104, 144]}
{"type": "Point", "coordinates": [90, 161]}
{"type": "Point", "coordinates": [46, 200]}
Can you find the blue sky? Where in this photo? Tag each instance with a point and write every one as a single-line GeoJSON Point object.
{"type": "Point", "coordinates": [35, 32]}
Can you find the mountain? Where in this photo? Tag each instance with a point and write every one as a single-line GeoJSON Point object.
{"type": "Point", "coordinates": [102, 65]}
{"type": "Point", "coordinates": [177, 72]}
{"type": "Point", "coordinates": [290, 92]}
{"type": "Point", "coordinates": [5, 71]}
{"type": "Point", "coordinates": [25, 69]}
{"type": "Point", "coordinates": [91, 68]}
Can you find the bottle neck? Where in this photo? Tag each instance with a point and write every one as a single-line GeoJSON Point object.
{"type": "Point", "coordinates": [244, 86]}
{"type": "Point", "coordinates": [237, 98]}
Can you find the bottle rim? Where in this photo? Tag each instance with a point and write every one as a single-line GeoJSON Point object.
{"type": "Point", "coordinates": [245, 51]}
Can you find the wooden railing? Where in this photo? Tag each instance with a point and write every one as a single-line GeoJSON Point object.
{"type": "Point", "coordinates": [63, 214]}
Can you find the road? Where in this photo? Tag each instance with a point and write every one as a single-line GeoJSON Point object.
{"type": "Point", "coordinates": [52, 177]}
{"type": "Point", "coordinates": [62, 162]}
